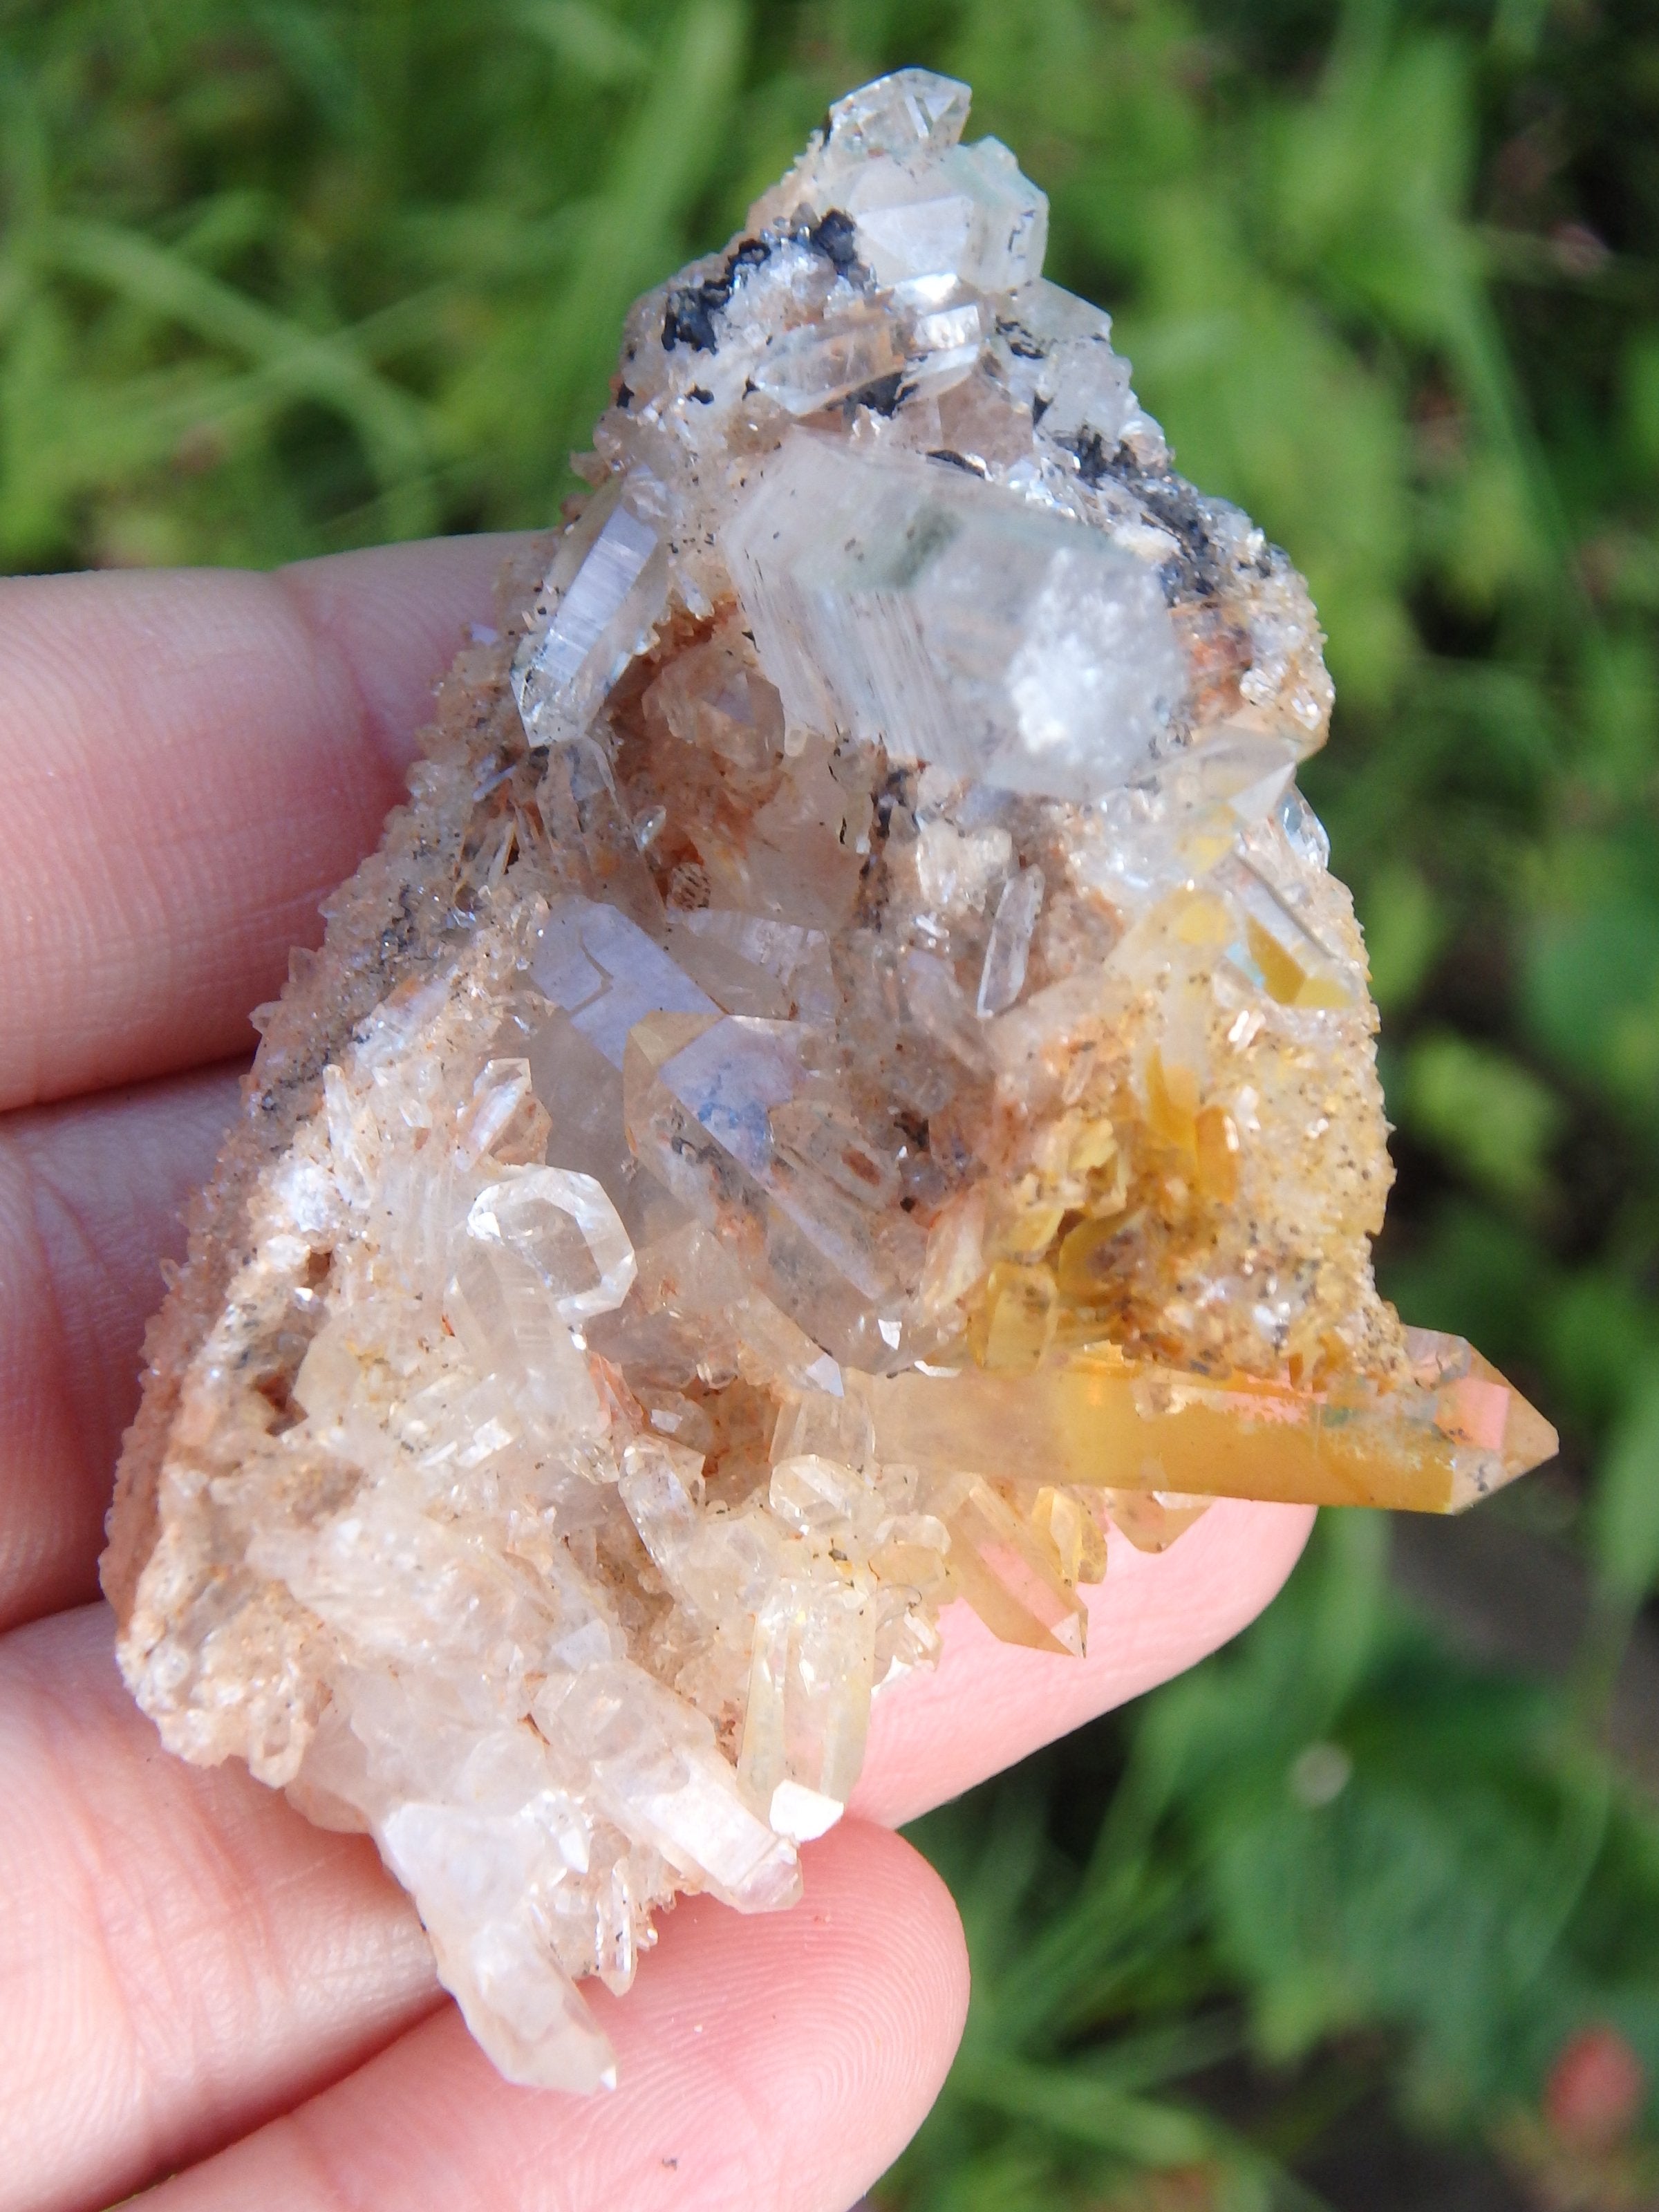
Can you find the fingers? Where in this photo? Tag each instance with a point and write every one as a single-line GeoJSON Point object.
{"type": "Point", "coordinates": [180, 1955]}
{"type": "Point", "coordinates": [91, 1194]}
{"type": "Point", "coordinates": [778, 2063]}
{"type": "Point", "coordinates": [989, 1704]}
{"type": "Point", "coordinates": [189, 762]}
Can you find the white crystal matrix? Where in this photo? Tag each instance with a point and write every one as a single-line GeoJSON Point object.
{"type": "Point", "coordinates": [886, 959]}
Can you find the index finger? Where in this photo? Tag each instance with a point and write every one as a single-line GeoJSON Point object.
{"type": "Point", "coordinates": [189, 761]}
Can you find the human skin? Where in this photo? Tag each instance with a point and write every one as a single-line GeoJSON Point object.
{"type": "Point", "coordinates": [200, 1993]}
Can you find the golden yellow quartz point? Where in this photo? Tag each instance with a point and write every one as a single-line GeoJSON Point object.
{"type": "Point", "coordinates": [1451, 1434]}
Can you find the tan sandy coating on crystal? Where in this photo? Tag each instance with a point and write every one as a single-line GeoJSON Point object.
{"type": "Point", "coordinates": [381, 923]}
{"type": "Point", "coordinates": [850, 1076]}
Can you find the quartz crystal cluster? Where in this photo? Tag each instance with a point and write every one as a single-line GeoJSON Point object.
{"type": "Point", "coordinates": [850, 1078]}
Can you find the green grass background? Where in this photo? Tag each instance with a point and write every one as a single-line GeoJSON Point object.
{"type": "Point", "coordinates": [283, 276]}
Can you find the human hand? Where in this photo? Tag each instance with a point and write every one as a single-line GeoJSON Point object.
{"type": "Point", "coordinates": [194, 1982]}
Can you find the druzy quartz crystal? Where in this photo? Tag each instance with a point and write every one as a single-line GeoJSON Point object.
{"type": "Point", "coordinates": [850, 1078]}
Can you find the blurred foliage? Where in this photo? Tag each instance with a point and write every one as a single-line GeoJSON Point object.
{"type": "Point", "coordinates": [283, 276]}
{"type": "Point", "coordinates": [1332, 1853]}
{"type": "Point", "coordinates": [1333, 1856]}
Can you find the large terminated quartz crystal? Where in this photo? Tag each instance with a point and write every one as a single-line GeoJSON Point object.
{"type": "Point", "coordinates": [850, 1076]}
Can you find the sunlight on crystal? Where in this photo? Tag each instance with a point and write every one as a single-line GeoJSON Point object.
{"type": "Point", "coordinates": [850, 1087]}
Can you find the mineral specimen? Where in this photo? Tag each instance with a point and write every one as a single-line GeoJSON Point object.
{"type": "Point", "coordinates": [850, 1075]}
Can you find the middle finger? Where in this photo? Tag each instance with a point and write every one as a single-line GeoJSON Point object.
{"type": "Point", "coordinates": [181, 1954]}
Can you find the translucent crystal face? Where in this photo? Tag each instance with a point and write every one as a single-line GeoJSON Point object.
{"type": "Point", "coordinates": [852, 1082]}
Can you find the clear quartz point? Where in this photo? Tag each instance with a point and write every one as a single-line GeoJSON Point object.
{"type": "Point", "coordinates": [850, 1087]}
{"type": "Point", "coordinates": [970, 216]}
{"type": "Point", "coordinates": [911, 113]}
{"type": "Point", "coordinates": [564, 1225]}
{"type": "Point", "coordinates": [908, 604]}
{"type": "Point", "coordinates": [604, 593]}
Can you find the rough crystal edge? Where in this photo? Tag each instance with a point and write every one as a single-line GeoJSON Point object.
{"type": "Point", "coordinates": [375, 936]}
